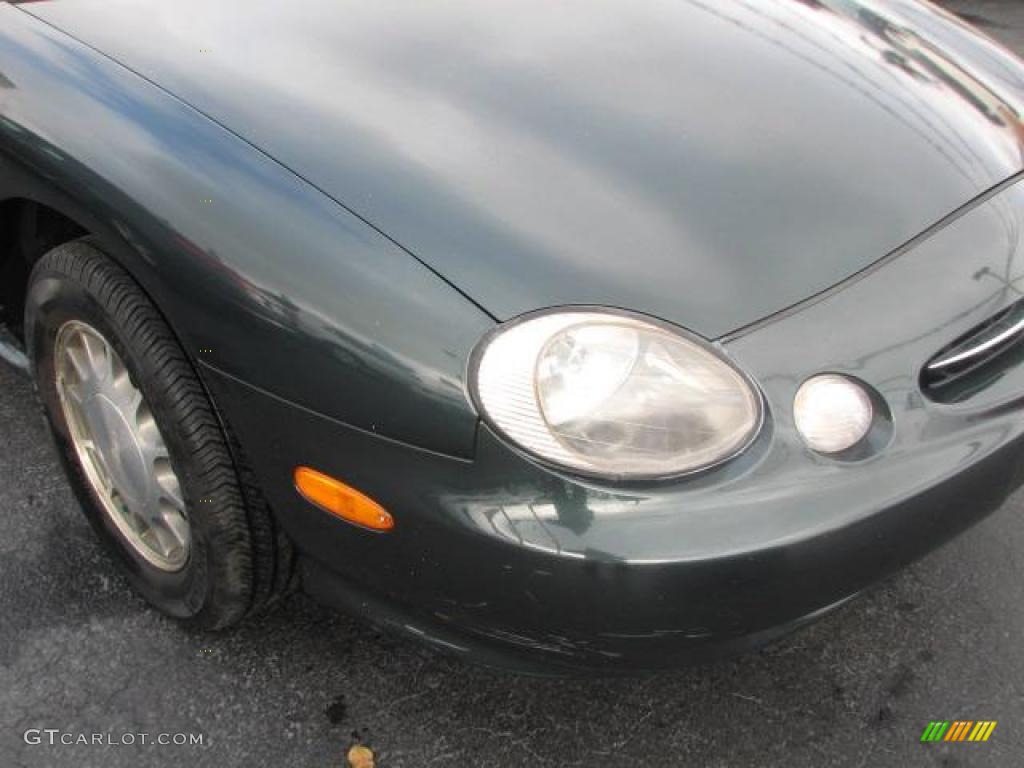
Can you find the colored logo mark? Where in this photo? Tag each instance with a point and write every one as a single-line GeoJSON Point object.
{"type": "Point", "coordinates": [959, 730]}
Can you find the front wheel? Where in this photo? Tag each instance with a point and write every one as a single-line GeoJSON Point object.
{"type": "Point", "coordinates": [142, 446]}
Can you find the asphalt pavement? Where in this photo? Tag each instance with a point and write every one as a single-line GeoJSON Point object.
{"type": "Point", "coordinates": [81, 654]}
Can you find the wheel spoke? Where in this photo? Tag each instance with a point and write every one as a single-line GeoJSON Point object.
{"type": "Point", "coordinates": [153, 539]}
{"type": "Point", "coordinates": [99, 356]}
{"type": "Point", "coordinates": [178, 528]}
{"type": "Point", "coordinates": [167, 481]}
{"type": "Point", "coordinates": [119, 377]}
{"type": "Point", "coordinates": [74, 391]}
{"type": "Point", "coordinates": [134, 520]}
{"type": "Point", "coordinates": [79, 363]}
{"type": "Point", "coordinates": [149, 434]}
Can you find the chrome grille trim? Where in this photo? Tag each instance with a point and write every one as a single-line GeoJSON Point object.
{"type": "Point", "coordinates": [977, 359]}
{"type": "Point", "coordinates": [979, 346]}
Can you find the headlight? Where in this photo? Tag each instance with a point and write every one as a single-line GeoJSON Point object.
{"type": "Point", "coordinates": [613, 395]}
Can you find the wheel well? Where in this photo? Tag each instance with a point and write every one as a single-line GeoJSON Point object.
{"type": "Point", "coordinates": [28, 229]}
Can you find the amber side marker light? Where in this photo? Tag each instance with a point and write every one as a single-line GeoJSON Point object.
{"type": "Point", "coordinates": [342, 500]}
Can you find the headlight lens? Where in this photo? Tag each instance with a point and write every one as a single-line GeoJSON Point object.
{"type": "Point", "coordinates": [614, 395]}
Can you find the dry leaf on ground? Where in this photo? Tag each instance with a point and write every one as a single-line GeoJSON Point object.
{"type": "Point", "coordinates": [360, 757]}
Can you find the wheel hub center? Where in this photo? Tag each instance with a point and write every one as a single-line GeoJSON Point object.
{"type": "Point", "coordinates": [121, 451]}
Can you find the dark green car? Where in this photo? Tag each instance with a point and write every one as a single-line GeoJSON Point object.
{"type": "Point", "coordinates": [599, 335]}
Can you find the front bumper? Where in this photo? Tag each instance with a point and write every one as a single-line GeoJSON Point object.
{"type": "Point", "coordinates": [506, 560]}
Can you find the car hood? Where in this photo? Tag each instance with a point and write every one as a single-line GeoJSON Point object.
{"type": "Point", "coordinates": [709, 163]}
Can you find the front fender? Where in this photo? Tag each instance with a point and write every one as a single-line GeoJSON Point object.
{"type": "Point", "coordinates": [263, 277]}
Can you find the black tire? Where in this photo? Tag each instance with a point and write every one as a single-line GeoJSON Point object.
{"type": "Point", "coordinates": [238, 560]}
